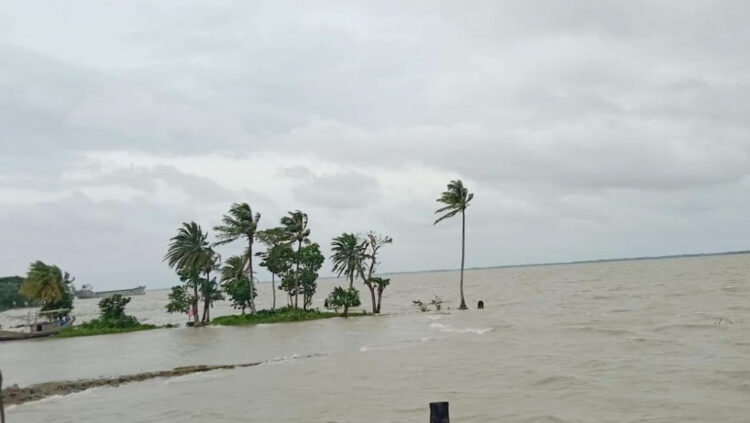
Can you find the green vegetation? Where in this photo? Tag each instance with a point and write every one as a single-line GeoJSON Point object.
{"type": "Point", "coordinates": [237, 284]}
{"type": "Point", "coordinates": [456, 199]}
{"type": "Point", "coordinates": [345, 298]}
{"type": "Point", "coordinates": [10, 297]}
{"type": "Point", "coordinates": [348, 258]}
{"type": "Point", "coordinates": [277, 256]}
{"type": "Point", "coordinates": [240, 222]}
{"type": "Point", "coordinates": [112, 319]}
{"type": "Point", "coordinates": [373, 243]}
{"type": "Point", "coordinates": [49, 286]}
{"type": "Point", "coordinates": [191, 255]}
{"type": "Point", "coordinates": [290, 255]}
{"type": "Point", "coordinates": [296, 231]}
{"type": "Point", "coordinates": [274, 316]}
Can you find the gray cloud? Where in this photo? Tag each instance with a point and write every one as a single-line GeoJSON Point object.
{"type": "Point", "coordinates": [587, 129]}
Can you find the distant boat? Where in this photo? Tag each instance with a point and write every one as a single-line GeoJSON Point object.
{"type": "Point", "coordinates": [43, 324]}
{"type": "Point", "coordinates": [87, 291]}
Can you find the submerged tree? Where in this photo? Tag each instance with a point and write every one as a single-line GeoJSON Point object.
{"type": "Point", "coordinates": [240, 222]}
{"type": "Point", "coordinates": [456, 199]}
{"type": "Point", "coordinates": [49, 286]}
{"type": "Point", "coordinates": [190, 254]}
{"type": "Point", "coordinates": [276, 257]}
{"type": "Point", "coordinates": [373, 243]}
{"type": "Point", "coordinates": [296, 232]}
{"type": "Point", "coordinates": [236, 284]}
{"type": "Point", "coordinates": [345, 298]}
{"type": "Point", "coordinates": [348, 257]}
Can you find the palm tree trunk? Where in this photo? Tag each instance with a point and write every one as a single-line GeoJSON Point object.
{"type": "Point", "coordinates": [380, 300]}
{"type": "Point", "coordinates": [195, 303]}
{"type": "Point", "coordinates": [273, 290]}
{"type": "Point", "coordinates": [250, 266]}
{"type": "Point", "coordinates": [372, 295]}
{"type": "Point", "coordinates": [296, 282]}
{"type": "Point", "coordinates": [463, 254]}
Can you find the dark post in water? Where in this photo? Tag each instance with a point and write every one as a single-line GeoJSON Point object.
{"type": "Point", "coordinates": [439, 412]}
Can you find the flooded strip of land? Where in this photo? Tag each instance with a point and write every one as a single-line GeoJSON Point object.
{"type": "Point", "coordinates": [14, 395]}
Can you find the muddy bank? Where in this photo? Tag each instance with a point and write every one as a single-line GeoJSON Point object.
{"type": "Point", "coordinates": [16, 395]}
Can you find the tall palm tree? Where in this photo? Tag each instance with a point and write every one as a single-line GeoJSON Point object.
{"type": "Point", "coordinates": [456, 199]}
{"type": "Point", "coordinates": [46, 283]}
{"type": "Point", "coordinates": [348, 257]}
{"type": "Point", "coordinates": [273, 239]}
{"type": "Point", "coordinates": [240, 222]}
{"type": "Point", "coordinates": [295, 228]}
{"type": "Point", "coordinates": [189, 252]}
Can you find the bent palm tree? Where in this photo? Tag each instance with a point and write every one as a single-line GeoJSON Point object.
{"type": "Point", "coordinates": [238, 223]}
{"type": "Point", "coordinates": [45, 283]}
{"type": "Point", "coordinates": [456, 199]}
{"type": "Point", "coordinates": [348, 256]}
{"type": "Point", "coordinates": [295, 229]}
{"type": "Point", "coordinates": [190, 253]}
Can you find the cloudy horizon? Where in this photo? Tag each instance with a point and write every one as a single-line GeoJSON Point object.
{"type": "Point", "coordinates": [586, 129]}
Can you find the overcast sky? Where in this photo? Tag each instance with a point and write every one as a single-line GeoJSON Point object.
{"type": "Point", "coordinates": [586, 129]}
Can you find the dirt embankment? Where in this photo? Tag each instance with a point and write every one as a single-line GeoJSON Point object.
{"type": "Point", "coordinates": [17, 395]}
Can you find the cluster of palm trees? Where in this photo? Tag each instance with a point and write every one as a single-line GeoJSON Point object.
{"type": "Point", "coordinates": [290, 255]}
{"type": "Point", "coordinates": [194, 259]}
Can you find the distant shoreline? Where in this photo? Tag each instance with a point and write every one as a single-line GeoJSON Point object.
{"type": "Point", "coordinates": [560, 263]}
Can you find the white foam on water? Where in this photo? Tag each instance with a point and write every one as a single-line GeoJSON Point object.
{"type": "Point", "coordinates": [450, 329]}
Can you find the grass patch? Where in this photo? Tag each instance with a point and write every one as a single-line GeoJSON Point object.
{"type": "Point", "coordinates": [105, 326]}
{"type": "Point", "coordinates": [282, 315]}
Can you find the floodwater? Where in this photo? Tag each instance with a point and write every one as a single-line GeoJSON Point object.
{"type": "Point", "coordinates": [640, 341]}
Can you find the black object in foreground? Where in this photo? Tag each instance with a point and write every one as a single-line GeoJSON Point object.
{"type": "Point", "coordinates": [2, 409]}
{"type": "Point", "coordinates": [439, 412]}
{"type": "Point", "coordinates": [480, 304]}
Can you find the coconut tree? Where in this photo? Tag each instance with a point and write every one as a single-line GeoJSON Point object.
{"type": "Point", "coordinates": [296, 231]}
{"type": "Point", "coordinates": [240, 222]}
{"type": "Point", "coordinates": [190, 254]}
{"type": "Point", "coordinates": [48, 285]}
{"type": "Point", "coordinates": [456, 199]}
{"type": "Point", "coordinates": [348, 257]}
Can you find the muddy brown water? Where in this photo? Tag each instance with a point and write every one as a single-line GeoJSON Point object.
{"type": "Point", "coordinates": [656, 341]}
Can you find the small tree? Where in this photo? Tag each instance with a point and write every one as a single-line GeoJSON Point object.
{"type": "Point", "coordinates": [112, 313]}
{"type": "Point", "coordinates": [276, 258]}
{"type": "Point", "coordinates": [346, 298]}
{"type": "Point", "coordinates": [113, 307]}
{"type": "Point", "coordinates": [373, 243]}
{"type": "Point", "coordinates": [179, 300]}
{"type": "Point", "coordinates": [236, 284]}
{"type": "Point", "coordinates": [380, 284]}
{"type": "Point", "coordinates": [311, 260]}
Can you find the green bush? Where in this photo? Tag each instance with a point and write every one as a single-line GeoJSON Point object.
{"type": "Point", "coordinates": [273, 316]}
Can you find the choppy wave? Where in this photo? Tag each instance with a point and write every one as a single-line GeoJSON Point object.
{"type": "Point", "coordinates": [450, 329]}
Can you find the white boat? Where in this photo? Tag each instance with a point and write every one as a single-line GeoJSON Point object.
{"type": "Point", "coordinates": [42, 324]}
